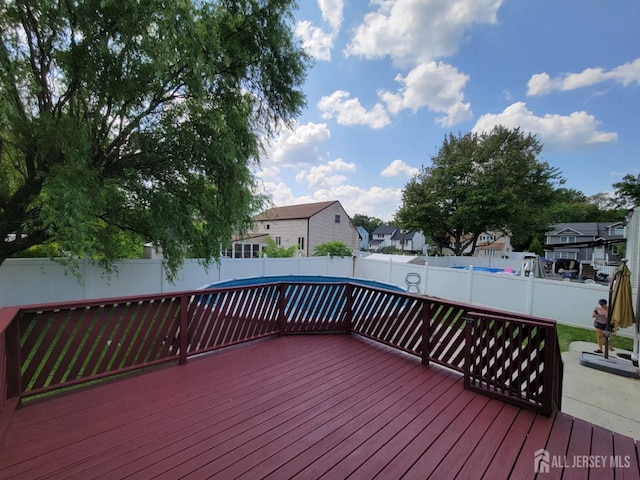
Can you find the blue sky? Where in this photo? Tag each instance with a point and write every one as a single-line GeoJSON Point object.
{"type": "Point", "coordinates": [392, 77]}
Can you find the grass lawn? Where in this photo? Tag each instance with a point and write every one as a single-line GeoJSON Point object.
{"type": "Point", "coordinates": [567, 334]}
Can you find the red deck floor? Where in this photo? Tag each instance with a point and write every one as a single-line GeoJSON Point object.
{"type": "Point", "coordinates": [322, 406]}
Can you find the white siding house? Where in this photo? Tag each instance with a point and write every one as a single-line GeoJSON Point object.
{"type": "Point", "coordinates": [304, 226]}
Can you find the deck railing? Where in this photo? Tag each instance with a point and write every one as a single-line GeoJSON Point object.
{"type": "Point", "coordinates": [48, 347]}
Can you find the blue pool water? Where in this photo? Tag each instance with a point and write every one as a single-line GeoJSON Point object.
{"type": "Point", "coordinates": [481, 269]}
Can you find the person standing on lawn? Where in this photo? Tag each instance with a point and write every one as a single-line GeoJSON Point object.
{"type": "Point", "coordinates": [600, 317]}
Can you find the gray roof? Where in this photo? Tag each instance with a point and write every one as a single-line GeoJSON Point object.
{"type": "Point", "coordinates": [585, 229]}
{"type": "Point", "coordinates": [385, 230]}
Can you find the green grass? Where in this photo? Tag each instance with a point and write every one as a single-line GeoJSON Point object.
{"type": "Point", "coordinates": [567, 334]}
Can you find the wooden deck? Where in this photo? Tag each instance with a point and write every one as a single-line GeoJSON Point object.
{"type": "Point", "coordinates": [312, 406]}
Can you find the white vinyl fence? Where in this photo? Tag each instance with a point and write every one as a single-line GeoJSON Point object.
{"type": "Point", "coordinates": [25, 281]}
{"type": "Point", "coordinates": [32, 281]}
{"type": "Point", "coordinates": [569, 303]}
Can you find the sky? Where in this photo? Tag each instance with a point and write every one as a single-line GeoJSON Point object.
{"type": "Point", "coordinates": [391, 78]}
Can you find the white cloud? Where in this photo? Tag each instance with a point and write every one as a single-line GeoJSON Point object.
{"type": "Point", "coordinates": [375, 201]}
{"type": "Point", "coordinates": [434, 85]}
{"type": "Point", "coordinates": [411, 31]}
{"type": "Point", "coordinates": [542, 83]}
{"type": "Point", "coordinates": [555, 132]}
{"type": "Point", "coordinates": [315, 41]}
{"type": "Point", "coordinates": [398, 168]}
{"type": "Point", "coordinates": [349, 111]}
{"type": "Point", "coordinates": [325, 175]}
{"type": "Point", "coordinates": [297, 146]}
{"type": "Point", "coordinates": [332, 12]}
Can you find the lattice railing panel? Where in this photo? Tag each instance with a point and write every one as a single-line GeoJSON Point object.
{"type": "Point", "coordinates": [388, 317]}
{"type": "Point", "coordinates": [226, 317]}
{"type": "Point", "coordinates": [509, 359]}
{"type": "Point", "coordinates": [69, 345]}
{"type": "Point", "coordinates": [314, 307]}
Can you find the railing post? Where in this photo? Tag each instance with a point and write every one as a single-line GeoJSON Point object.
{"type": "Point", "coordinates": [550, 386]}
{"type": "Point", "coordinates": [426, 331]}
{"type": "Point", "coordinates": [184, 328]}
{"type": "Point", "coordinates": [12, 352]}
{"type": "Point", "coordinates": [281, 306]}
{"type": "Point", "coordinates": [348, 309]}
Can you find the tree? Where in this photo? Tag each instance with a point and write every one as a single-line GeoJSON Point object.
{"type": "Point", "coordinates": [627, 192]}
{"type": "Point", "coordinates": [139, 119]}
{"type": "Point", "coordinates": [275, 251]}
{"type": "Point", "coordinates": [333, 248]}
{"type": "Point", "coordinates": [368, 223]}
{"type": "Point", "coordinates": [490, 182]}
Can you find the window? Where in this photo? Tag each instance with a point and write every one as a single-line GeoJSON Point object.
{"type": "Point", "coordinates": [300, 243]}
{"type": "Point", "coordinates": [490, 252]}
{"type": "Point", "coordinates": [567, 239]}
{"type": "Point", "coordinates": [337, 219]}
{"type": "Point", "coordinates": [278, 241]}
{"type": "Point", "coordinates": [267, 226]}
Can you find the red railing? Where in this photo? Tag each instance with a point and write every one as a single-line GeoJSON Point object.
{"type": "Point", "coordinates": [47, 347]}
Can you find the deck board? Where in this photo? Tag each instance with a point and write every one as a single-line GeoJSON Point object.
{"type": "Point", "coordinates": [313, 406]}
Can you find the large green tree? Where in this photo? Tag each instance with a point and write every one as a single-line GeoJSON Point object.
{"type": "Point", "coordinates": [627, 191]}
{"type": "Point", "coordinates": [367, 222]}
{"type": "Point", "coordinates": [489, 182]}
{"type": "Point", "coordinates": [140, 119]}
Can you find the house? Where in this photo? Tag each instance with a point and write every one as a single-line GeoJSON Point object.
{"type": "Point", "coordinates": [408, 241]}
{"type": "Point", "coordinates": [364, 237]}
{"type": "Point", "coordinates": [595, 243]}
{"type": "Point", "coordinates": [494, 245]}
{"type": "Point", "coordinates": [390, 236]}
{"type": "Point", "coordinates": [382, 237]}
{"type": "Point", "coordinates": [304, 225]}
{"type": "Point", "coordinates": [489, 244]}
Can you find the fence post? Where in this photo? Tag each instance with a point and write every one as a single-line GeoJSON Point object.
{"type": "Point", "coordinates": [184, 327]}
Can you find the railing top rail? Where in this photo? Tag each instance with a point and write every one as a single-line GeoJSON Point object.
{"type": "Point", "coordinates": [71, 304]}
{"type": "Point", "coordinates": [525, 319]}
{"type": "Point", "coordinates": [7, 314]}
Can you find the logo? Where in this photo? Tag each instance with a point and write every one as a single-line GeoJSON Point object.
{"type": "Point", "coordinates": [541, 461]}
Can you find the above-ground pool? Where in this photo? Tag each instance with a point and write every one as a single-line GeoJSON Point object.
{"type": "Point", "coordinates": [240, 282]}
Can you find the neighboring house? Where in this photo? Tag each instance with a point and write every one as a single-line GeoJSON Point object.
{"type": "Point", "coordinates": [489, 244]}
{"type": "Point", "coordinates": [304, 226]}
{"type": "Point", "coordinates": [381, 237]}
{"type": "Point", "coordinates": [408, 241]}
{"type": "Point", "coordinates": [493, 245]}
{"type": "Point", "coordinates": [390, 236]}
{"type": "Point", "coordinates": [595, 243]}
{"type": "Point", "coordinates": [364, 238]}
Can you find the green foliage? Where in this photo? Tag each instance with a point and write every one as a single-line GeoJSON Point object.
{"type": "Point", "coordinates": [333, 248]}
{"type": "Point", "coordinates": [490, 182]}
{"type": "Point", "coordinates": [369, 223]}
{"type": "Point", "coordinates": [124, 120]}
{"type": "Point", "coordinates": [275, 251]}
{"type": "Point", "coordinates": [627, 192]}
{"type": "Point", "coordinates": [535, 247]}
